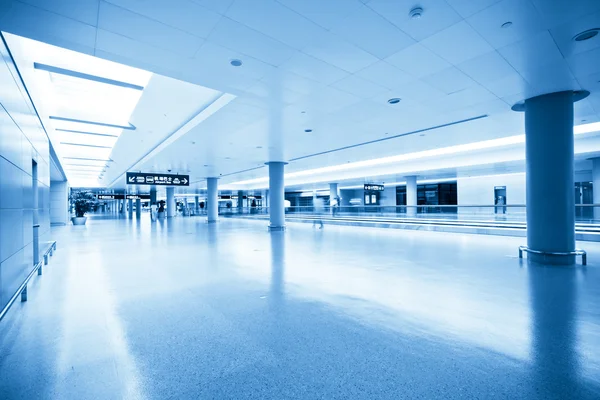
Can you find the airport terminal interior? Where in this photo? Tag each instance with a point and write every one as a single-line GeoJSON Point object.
{"type": "Point", "coordinates": [299, 199]}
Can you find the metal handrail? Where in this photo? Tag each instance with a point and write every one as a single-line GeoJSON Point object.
{"type": "Point", "coordinates": [576, 252]}
{"type": "Point", "coordinates": [22, 290]}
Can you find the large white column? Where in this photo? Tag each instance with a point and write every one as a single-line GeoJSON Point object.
{"type": "Point", "coordinates": [170, 202]}
{"type": "Point", "coordinates": [197, 205]}
{"type": "Point", "coordinates": [596, 186]}
{"type": "Point", "coordinates": [138, 208]}
{"type": "Point", "coordinates": [212, 200]}
{"type": "Point", "coordinates": [130, 210]}
{"type": "Point", "coordinates": [276, 196]}
{"type": "Point", "coordinates": [333, 192]}
{"type": "Point", "coordinates": [411, 195]}
{"type": "Point", "coordinates": [549, 153]}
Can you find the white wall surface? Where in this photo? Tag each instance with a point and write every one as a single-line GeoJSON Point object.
{"type": "Point", "coordinates": [59, 202]}
{"type": "Point", "coordinates": [388, 197]}
{"type": "Point", "coordinates": [22, 140]}
{"type": "Point", "coordinates": [480, 191]}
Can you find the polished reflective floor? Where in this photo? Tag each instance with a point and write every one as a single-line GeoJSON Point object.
{"type": "Point", "coordinates": [182, 309]}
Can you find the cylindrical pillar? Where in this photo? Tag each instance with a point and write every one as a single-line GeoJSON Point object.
{"type": "Point", "coordinates": [276, 196]}
{"type": "Point", "coordinates": [212, 199]}
{"type": "Point", "coordinates": [170, 202]}
{"type": "Point", "coordinates": [549, 152]}
{"type": "Point", "coordinates": [333, 193]}
{"type": "Point", "coordinates": [152, 195]}
{"type": "Point", "coordinates": [240, 201]}
{"type": "Point", "coordinates": [130, 208]}
{"type": "Point", "coordinates": [411, 195]}
{"type": "Point", "coordinates": [197, 205]}
{"type": "Point", "coordinates": [138, 208]}
{"type": "Point", "coordinates": [596, 186]}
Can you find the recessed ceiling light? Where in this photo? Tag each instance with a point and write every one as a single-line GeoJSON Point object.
{"type": "Point", "coordinates": [308, 130]}
{"type": "Point", "coordinates": [507, 24]}
{"type": "Point", "coordinates": [422, 134]}
{"type": "Point", "coordinates": [586, 35]}
{"type": "Point", "coordinates": [416, 13]}
{"type": "Point", "coordinates": [302, 112]}
{"type": "Point", "coordinates": [394, 100]}
{"type": "Point", "coordinates": [236, 63]}
{"type": "Point", "coordinates": [259, 147]}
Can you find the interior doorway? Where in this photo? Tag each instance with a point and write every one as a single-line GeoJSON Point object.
{"type": "Point", "coordinates": [500, 199]}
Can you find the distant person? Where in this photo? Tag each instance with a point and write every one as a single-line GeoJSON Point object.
{"type": "Point", "coordinates": [335, 206]}
{"type": "Point", "coordinates": [319, 207]}
{"type": "Point", "coordinates": [153, 211]}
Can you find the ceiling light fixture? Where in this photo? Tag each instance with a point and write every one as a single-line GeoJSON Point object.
{"type": "Point", "coordinates": [586, 35]}
{"type": "Point", "coordinates": [416, 13]}
{"type": "Point", "coordinates": [507, 24]}
{"type": "Point", "coordinates": [236, 63]}
{"type": "Point", "coordinates": [394, 100]}
{"type": "Point", "coordinates": [308, 130]}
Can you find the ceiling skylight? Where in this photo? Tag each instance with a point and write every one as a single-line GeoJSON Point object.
{"type": "Point", "coordinates": [85, 103]}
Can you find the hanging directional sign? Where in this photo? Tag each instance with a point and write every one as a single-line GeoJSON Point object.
{"type": "Point", "coordinates": [149, 178]}
{"type": "Point", "coordinates": [373, 188]}
{"type": "Point", "coordinates": [137, 196]}
{"type": "Point", "coordinates": [111, 196]}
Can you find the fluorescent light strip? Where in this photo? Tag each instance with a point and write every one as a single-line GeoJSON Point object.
{"type": "Point", "coordinates": [85, 133]}
{"type": "Point", "coordinates": [81, 75]}
{"type": "Point", "coordinates": [80, 121]}
{"type": "Point", "coordinates": [486, 144]}
{"type": "Point", "coordinates": [86, 165]}
{"type": "Point", "coordinates": [89, 159]}
{"type": "Point", "coordinates": [86, 145]}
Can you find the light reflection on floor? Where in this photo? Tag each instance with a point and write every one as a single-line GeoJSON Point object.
{"type": "Point", "coordinates": [183, 309]}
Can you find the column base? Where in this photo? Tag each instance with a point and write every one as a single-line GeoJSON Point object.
{"type": "Point", "coordinates": [273, 228]}
{"type": "Point", "coordinates": [551, 259]}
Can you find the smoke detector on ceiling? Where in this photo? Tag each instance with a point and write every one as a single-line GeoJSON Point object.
{"type": "Point", "coordinates": [416, 13]}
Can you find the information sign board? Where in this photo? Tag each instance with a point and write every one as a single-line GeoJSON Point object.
{"type": "Point", "coordinates": [156, 179]}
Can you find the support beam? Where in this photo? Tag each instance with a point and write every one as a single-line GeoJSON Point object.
{"type": "Point", "coordinates": [212, 200]}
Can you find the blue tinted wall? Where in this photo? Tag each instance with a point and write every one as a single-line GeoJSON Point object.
{"type": "Point", "coordinates": [22, 141]}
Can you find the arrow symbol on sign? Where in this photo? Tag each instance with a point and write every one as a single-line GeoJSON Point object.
{"type": "Point", "coordinates": [184, 181]}
{"type": "Point", "coordinates": [131, 179]}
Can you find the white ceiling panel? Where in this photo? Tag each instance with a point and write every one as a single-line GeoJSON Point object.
{"type": "Point", "coordinates": [312, 68]}
{"type": "Point", "coordinates": [215, 57]}
{"type": "Point", "coordinates": [219, 6]}
{"type": "Point", "coordinates": [85, 11]}
{"type": "Point", "coordinates": [385, 75]}
{"type": "Point", "coordinates": [532, 52]}
{"type": "Point", "coordinates": [275, 20]}
{"type": "Point", "coordinates": [418, 61]}
{"type": "Point", "coordinates": [437, 16]}
{"type": "Point", "coordinates": [467, 8]}
{"type": "Point", "coordinates": [525, 19]}
{"type": "Point", "coordinates": [371, 32]}
{"type": "Point", "coordinates": [292, 81]}
{"type": "Point", "coordinates": [548, 76]}
{"type": "Point", "coordinates": [586, 63]}
{"type": "Point", "coordinates": [245, 40]}
{"type": "Point", "coordinates": [486, 68]}
{"type": "Point", "coordinates": [325, 13]}
{"type": "Point", "coordinates": [564, 34]}
{"type": "Point", "coordinates": [449, 80]}
{"type": "Point", "coordinates": [419, 91]}
{"type": "Point", "coordinates": [25, 20]}
{"type": "Point", "coordinates": [124, 22]}
{"type": "Point", "coordinates": [457, 43]}
{"type": "Point", "coordinates": [359, 87]}
{"type": "Point", "coordinates": [557, 12]}
{"type": "Point", "coordinates": [181, 14]}
{"type": "Point", "coordinates": [510, 85]}
{"type": "Point", "coordinates": [336, 51]}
